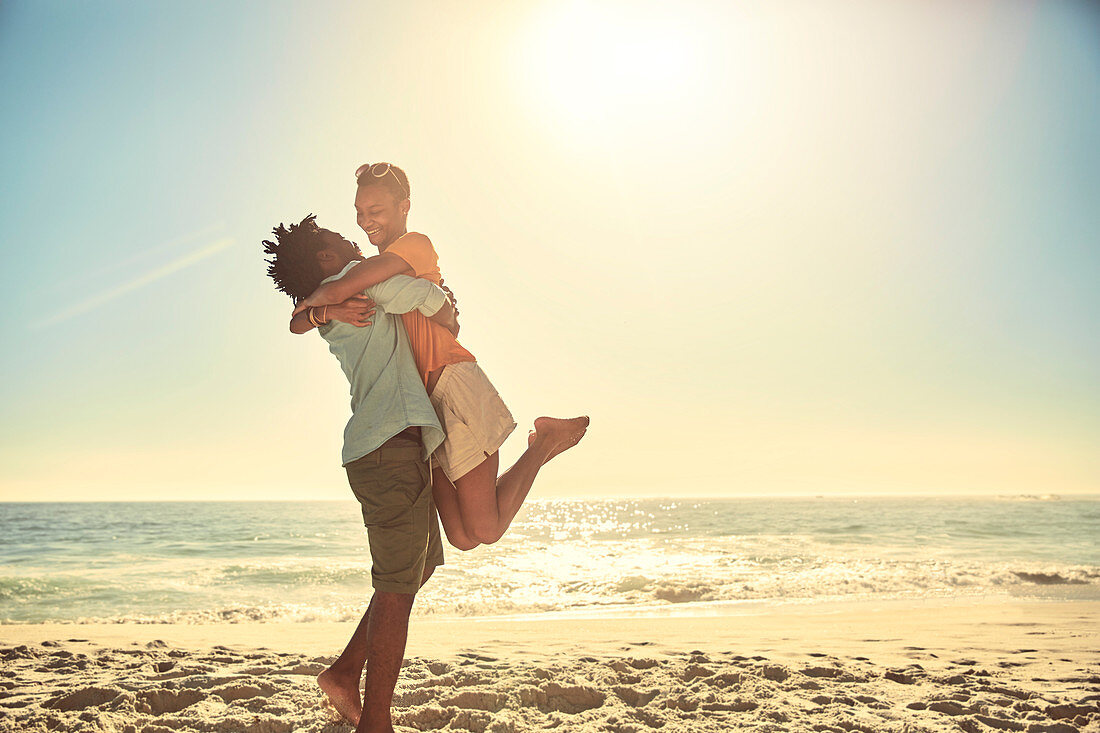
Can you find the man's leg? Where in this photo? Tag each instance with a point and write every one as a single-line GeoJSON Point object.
{"type": "Point", "coordinates": [387, 633]}
{"type": "Point", "coordinates": [393, 486]}
{"type": "Point", "coordinates": [340, 682]}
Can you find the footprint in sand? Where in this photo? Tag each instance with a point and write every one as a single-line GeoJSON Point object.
{"type": "Point", "coordinates": [774, 672]}
{"type": "Point", "coordinates": [84, 698]}
{"type": "Point", "coordinates": [647, 718]}
{"type": "Point", "coordinates": [724, 680]}
{"type": "Point", "coordinates": [161, 701]}
{"type": "Point", "coordinates": [477, 700]}
{"type": "Point", "coordinates": [634, 697]}
{"type": "Point", "coordinates": [734, 706]}
{"type": "Point", "coordinates": [438, 668]}
{"type": "Point", "coordinates": [997, 723]}
{"type": "Point", "coordinates": [416, 697]}
{"type": "Point", "coordinates": [695, 671]}
{"type": "Point", "coordinates": [572, 698]}
{"type": "Point", "coordinates": [231, 692]}
{"type": "Point", "coordinates": [899, 676]}
{"type": "Point", "coordinates": [1062, 712]}
{"type": "Point", "coordinates": [949, 707]}
{"type": "Point", "coordinates": [834, 673]}
{"type": "Point", "coordinates": [682, 702]}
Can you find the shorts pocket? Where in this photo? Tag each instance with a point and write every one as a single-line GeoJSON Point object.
{"type": "Point", "coordinates": [389, 491]}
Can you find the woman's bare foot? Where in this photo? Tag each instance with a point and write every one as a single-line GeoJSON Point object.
{"type": "Point", "coordinates": [343, 692]}
{"type": "Point", "coordinates": [557, 434]}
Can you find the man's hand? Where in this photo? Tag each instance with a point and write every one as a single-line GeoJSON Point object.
{"type": "Point", "coordinates": [355, 311]}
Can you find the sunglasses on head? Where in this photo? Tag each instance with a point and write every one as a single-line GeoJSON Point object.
{"type": "Point", "coordinates": [379, 170]}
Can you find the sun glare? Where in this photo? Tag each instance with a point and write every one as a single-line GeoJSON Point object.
{"type": "Point", "coordinates": [602, 62]}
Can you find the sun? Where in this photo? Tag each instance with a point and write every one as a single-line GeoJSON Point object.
{"type": "Point", "coordinates": [607, 63]}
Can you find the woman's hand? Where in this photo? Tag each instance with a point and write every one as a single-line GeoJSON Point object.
{"type": "Point", "coordinates": [355, 311]}
{"type": "Point", "coordinates": [322, 296]}
{"type": "Point", "coordinates": [447, 316]}
{"type": "Point", "coordinates": [310, 302]}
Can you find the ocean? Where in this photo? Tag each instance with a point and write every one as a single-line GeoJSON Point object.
{"type": "Point", "coordinates": [204, 562]}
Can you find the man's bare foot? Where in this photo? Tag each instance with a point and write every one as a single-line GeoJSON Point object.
{"type": "Point", "coordinates": [343, 692]}
{"type": "Point", "coordinates": [557, 434]}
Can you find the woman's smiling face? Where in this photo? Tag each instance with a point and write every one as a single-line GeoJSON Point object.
{"type": "Point", "coordinates": [380, 215]}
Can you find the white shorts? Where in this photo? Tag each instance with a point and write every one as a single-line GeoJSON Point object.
{"type": "Point", "coordinates": [475, 419]}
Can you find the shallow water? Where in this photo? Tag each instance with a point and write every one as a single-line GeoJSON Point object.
{"type": "Point", "coordinates": [195, 562]}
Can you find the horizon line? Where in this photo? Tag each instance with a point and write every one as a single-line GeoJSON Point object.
{"type": "Point", "coordinates": [1037, 497]}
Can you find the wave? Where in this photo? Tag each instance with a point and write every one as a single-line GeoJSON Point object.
{"type": "Point", "coordinates": [26, 588]}
{"type": "Point", "coordinates": [517, 583]}
{"type": "Point", "coordinates": [560, 556]}
{"type": "Point", "coordinates": [1077, 578]}
{"type": "Point", "coordinates": [1029, 497]}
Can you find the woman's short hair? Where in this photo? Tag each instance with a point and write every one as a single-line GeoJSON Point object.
{"type": "Point", "coordinates": [386, 175]}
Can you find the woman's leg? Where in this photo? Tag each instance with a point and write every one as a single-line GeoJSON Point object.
{"type": "Point", "coordinates": [450, 516]}
{"type": "Point", "coordinates": [488, 504]}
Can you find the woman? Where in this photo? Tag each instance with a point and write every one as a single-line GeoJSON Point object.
{"type": "Point", "coordinates": [475, 505]}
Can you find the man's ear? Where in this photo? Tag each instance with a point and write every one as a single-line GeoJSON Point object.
{"type": "Point", "coordinates": [405, 206]}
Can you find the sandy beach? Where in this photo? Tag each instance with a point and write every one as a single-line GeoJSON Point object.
{"type": "Point", "coordinates": [935, 665]}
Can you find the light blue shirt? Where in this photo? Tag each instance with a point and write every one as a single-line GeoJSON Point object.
{"type": "Point", "coordinates": [387, 394]}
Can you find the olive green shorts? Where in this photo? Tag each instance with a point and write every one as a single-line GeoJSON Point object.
{"type": "Point", "coordinates": [394, 488]}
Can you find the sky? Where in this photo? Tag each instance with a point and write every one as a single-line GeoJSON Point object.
{"type": "Point", "coordinates": [799, 248]}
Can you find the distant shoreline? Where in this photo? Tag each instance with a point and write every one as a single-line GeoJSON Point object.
{"type": "Point", "coordinates": [612, 497]}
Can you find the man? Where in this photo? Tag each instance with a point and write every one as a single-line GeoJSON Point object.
{"type": "Point", "coordinates": [392, 431]}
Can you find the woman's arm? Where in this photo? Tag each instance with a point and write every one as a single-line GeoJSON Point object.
{"type": "Point", "coordinates": [370, 271]}
{"type": "Point", "coordinates": [356, 311]}
{"type": "Point", "coordinates": [447, 317]}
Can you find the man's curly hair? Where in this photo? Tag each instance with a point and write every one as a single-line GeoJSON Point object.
{"type": "Point", "coordinates": [294, 267]}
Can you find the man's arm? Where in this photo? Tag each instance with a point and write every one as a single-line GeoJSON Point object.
{"type": "Point", "coordinates": [370, 271]}
{"type": "Point", "coordinates": [401, 294]}
{"type": "Point", "coordinates": [398, 294]}
{"type": "Point", "coordinates": [300, 323]}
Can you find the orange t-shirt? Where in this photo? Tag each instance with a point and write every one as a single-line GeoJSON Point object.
{"type": "Point", "coordinates": [433, 346]}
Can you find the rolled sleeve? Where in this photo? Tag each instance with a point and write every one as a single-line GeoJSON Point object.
{"type": "Point", "coordinates": [433, 302]}
{"type": "Point", "coordinates": [401, 294]}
